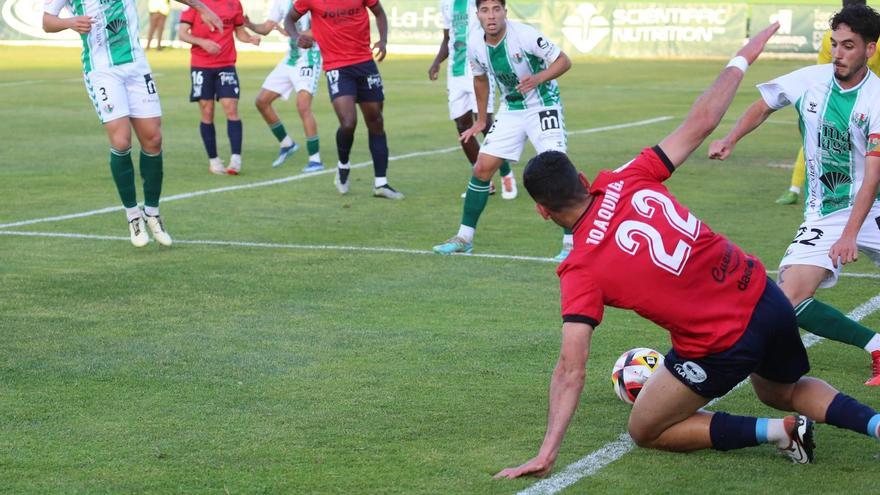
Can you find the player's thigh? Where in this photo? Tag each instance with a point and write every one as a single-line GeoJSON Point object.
{"type": "Point", "coordinates": [869, 235]}
{"type": "Point", "coordinates": [369, 82]}
{"type": "Point", "coordinates": [811, 244]}
{"type": "Point", "coordinates": [280, 81]}
{"type": "Point", "coordinates": [341, 83]}
{"type": "Point", "coordinates": [149, 133]}
{"type": "Point", "coordinates": [507, 136]}
{"type": "Point", "coordinates": [305, 78]}
{"type": "Point", "coordinates": [143, 97]}
{"type": "Point", "coordinates": [203, 83]}
{"type": "Point", "coordinates": [662, 402]}
{"type": "Point", "coordinates": [107, 90]}
{"type": "Point", "coordinates": [546, 129]}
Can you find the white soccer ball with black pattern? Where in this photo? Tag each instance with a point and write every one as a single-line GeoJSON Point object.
{"type": "Point", "coordinates": [632, 370]}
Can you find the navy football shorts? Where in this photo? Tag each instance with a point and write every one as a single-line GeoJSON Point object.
{"type": "Point", "coordinates": [214, 83]}
{"type": "Point", "coordinates": [770, 347]}
{"type": "Point", "coordinates": [359, 80]}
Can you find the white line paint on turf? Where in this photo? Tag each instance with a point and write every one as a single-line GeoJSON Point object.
{"type": "Point", "coordinates": [612, 451]}
{"type": "Point", "coordinates": [303, 176]}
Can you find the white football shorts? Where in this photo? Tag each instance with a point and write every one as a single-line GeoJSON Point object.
{"type": "Point", "coordinates": [543, 126]}
{"type": "Point", "coordinates": [814, 239]}
{"type": "Point", "coordinates": [462, 99]}
{"type": "Point", "coordinates": [126, 90]}
{"type": "Point", "coordinates": [284, 78]}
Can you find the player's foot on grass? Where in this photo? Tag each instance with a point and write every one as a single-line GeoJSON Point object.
{"type": "Point", "coordinates": [491, 190]}
{"type": "Point", "coordinates": [138, 232]}
{"type": "Point", "coordinates": [454, 245]}
{"type": "Point", "coordinates": [800, 451]}
{"type": "Point", "coordinates": [234, 166]}
{"type": "Point", "coordinates": [313, 167]}
{"type": "Point", "coordinates": [216, 167]}
{"type": "Point", "coordinates": [387, 192]}
{"type": "Point", "coordinates": [788, 198]}
{"type": "Point", "coordinates": [284, 153]}
{"type": "Point", "coordinates": [508, 187]}
{"type": "Point", "coordinates": [342, 187]}
{"type": "Point", "coordinates": [566, 250]}
{"type": "Point", "coordinates": [157, 227]}
{"type": "Point", "coordinates": [875, 370]}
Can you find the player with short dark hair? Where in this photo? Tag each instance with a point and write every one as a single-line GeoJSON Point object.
{"type": "Point", "coordinates": [726, 320]}
{"type": "Point", "coordinates": [342, 29]}
{"type": "Point", "coordinates": [838, 107]}
{"type": "Point", "coordinates": [121, 86]}
{"type": "Point", "coordinates": [214, 78]}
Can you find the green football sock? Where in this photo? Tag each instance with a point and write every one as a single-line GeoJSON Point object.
{"type": "Point", "coordinates": [823, 320]}
{"type": "Point", "coordinates": [151, 172]}
{"type": "Point", "coordinates": [278, 130]}
{"type": "Point", "coordinates": [475, 201]}
{"type": "Point", "coordinates": [312, 145]}
{"type": "Point", "coordinates": [505, 168]}
{"type": "Point", "coordinates": [123, 175]}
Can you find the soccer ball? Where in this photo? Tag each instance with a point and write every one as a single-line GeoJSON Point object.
{"type": "Point", "coordinates": [632, 370]}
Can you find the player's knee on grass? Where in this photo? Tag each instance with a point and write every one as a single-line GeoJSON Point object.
{"type": "Point", "coordinates": [642, 435]}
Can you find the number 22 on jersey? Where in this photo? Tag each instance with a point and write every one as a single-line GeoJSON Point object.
{"type": "Point", "coordinates": [631, 232]}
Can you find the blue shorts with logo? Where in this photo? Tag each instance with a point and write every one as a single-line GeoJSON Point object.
{"type": "Point", "coordinates": [214, 83]}
{"type": "Point", "coordinates": [770, 347]}
{"type": "Point", "coordinates": [360, 80]}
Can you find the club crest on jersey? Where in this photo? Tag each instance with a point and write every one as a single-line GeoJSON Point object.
{"type": "Point", "coordinates": [517, 58]}
{"type": "Point", "coordinates": [859, 119]}
{"type": "Point", "coordinates": [108, 108]}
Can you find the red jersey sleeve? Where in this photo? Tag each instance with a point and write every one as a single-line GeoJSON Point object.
{"type": "Point", "coordinates": [188, 15]}
{"type": "Point", "coordinates": [302, 6]}
{"type": "Point", "coordinates": [238, 20]}
{"type": "Point", "coordinates": [651, 162]}
{"type": "Point", "coordinates": [370, 3]}
{"type": "Point", "coordinates": [582, 300]}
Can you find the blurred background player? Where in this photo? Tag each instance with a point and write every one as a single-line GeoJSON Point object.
{"type": "Point", "coordinates": [799, 174]}
{"type": "Point", "coordinates": [159, 10]}
{"type": "Point", "coordinates": [120, 83]}
{"type": "Point", "coordinates": [838, 107]}
{"type": "Point", "coordinates": [299, 71]}
{"type": "Point", "coordinates": [212, 69]}
{"type": "Point", "coordinates": [342, 29]}
{"type": "Point", "coordinates": [525, 65]}
{"type": "Point", "coordinates": [459, 21]}
{"type": "Point", "coordinates": [624, 222]}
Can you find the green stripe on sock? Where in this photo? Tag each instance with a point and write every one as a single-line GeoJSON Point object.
{"type": "Point", "coordinates": [823, 320]}
{"type": "Point", "coordinates": [475, 201]}
{"type": "Point", "coordinates": [803, 304]}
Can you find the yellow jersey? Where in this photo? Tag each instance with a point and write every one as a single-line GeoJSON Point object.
{"type": "Point", "coordinates": [825, 54]}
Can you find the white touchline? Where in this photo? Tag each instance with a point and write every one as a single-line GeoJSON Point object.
{"type": "Point", "coordinates": [302, 176]}
{"type": "Point", "coordinates": [612, 451]}
{"type": "Point", "coordinates": [323, 247]}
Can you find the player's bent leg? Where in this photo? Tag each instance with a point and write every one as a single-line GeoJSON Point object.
{"type": "Point", "coordinates": [310, 128]}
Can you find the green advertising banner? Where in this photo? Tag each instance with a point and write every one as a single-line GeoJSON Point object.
{"type": "Point", "coordinates": [800, 27]}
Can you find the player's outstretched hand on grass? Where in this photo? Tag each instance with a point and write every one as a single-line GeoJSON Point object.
{"type": "Point", "coordinates": [720, 149]}
{"type": "Point", "coordinates": [475, 129]}
{"type": "Point", "coordinates": [756, 44]}
{"type": "Point", "coordinates": [82, 24]}
{"type": "Point", "coordinates": [535, 467]}
{"type": "Point", "coordinates": [379, 50]}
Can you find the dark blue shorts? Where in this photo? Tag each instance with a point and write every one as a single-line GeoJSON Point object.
{"type": "Point", "coordinates": [214, 83]}
{"type": "Point", "coordinates": [359, 80]}
{"type": "Point", "coordinates": [770, 347]}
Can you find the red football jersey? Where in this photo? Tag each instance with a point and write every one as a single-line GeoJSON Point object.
{"type": "Point", "coordinates": [341, 28]}
{"type": "Point", "coordinates": [232, 15]}
{"type": "Point", "coordinates": [637, 248]}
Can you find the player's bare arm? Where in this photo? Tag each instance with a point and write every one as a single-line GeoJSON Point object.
{"type": "Point", "coordinates": [245, 37]}
{"type": "Point", "coordinates": [185, 35]}
{"type": "Point", "coordinates": [207, 15]}
{"type": "Point", "coordinates": [753, 117]}
{"type": "Point", "coordinates": [559, 67]}
{"type": "Point", "coordinates": [82, 24]}
{"type": "Point", "coordinates": [262, 28]}
{"type": "Point", "coordinates": [379, 47]}
{"type": "Point", "coordinates": [845, 249]}
{"type": "Point", "coordinates": [566, 385]}
{"type": "Point", "coordinates": [706, 113]}
{"type": "Point", "coordinates": [442, 54]}
{"type": "Point", "coordinates": [481, 93]}
{"type": "Point", "coordinates": [290, 21]}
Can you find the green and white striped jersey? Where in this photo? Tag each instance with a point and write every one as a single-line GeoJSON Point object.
{"type": "Point", "coordinates": [113, 39]}
{"type": "Point", "coordinates": [523, 51]}
{"type": "Point", "coordinates": [835, 125]}
{"type": "Point", "coordinates": [460, 18]}
{"type": "Point", "coordinates": [310, 56]}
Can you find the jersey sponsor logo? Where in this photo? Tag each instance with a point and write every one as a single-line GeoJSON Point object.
{"type": "Point", "coordinates": [833, 180]}
{"type": "Point", "coordinates": [549, 119]}
{"type": "Point", "coordinates": [116, 26]}
{"type": "Point", "coordinates": [605, 213]}
{"type": "Point", "coordinates": [728, 264]}
{"type": "Point", "coordinates": [811, 106]}
{"type": "Point", "coordinates": [542, 43]}
{"type": "Point", "coordinates": [339, 13]}
{"type": "Point", "coordinates": [691, 371]}
{"type": "Point", "coordinates": [746, 278]}
{"type": "Point", "coordinates": [228, 79]}
{"type": "Point", "coordinates": [833, 140]}
{"type": "Point", "coordinates": [374, 81]}
{"type": "Point", "coordinates": [585, 29]}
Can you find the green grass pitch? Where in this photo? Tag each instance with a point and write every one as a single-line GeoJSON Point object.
{"type": "Point", "coordinates": [276, 367]}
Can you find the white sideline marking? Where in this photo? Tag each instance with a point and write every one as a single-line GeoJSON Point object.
{"type": "Point", "coordinates": [328, 247]}
{"type": "Point", "coordinates": [303, 176]}
{"type": "Point", "coordinates": [612, 451]}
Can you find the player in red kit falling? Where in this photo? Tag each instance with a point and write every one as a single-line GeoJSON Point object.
{"type": "Point", "coordinates": [214, 77]}
{"type": "Point", "coordinates": [342, 29]}
{"type": "Point", "coordinates": [636, 247]}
